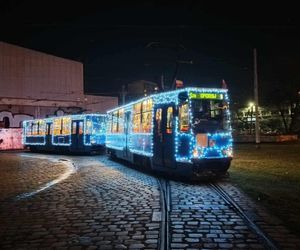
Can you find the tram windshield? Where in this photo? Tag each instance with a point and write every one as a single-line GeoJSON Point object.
{"type": "Point", "coordinates": [208, 115]}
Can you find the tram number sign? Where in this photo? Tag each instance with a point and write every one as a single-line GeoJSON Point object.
{"type": "Point", "coordinates": [204, 95]}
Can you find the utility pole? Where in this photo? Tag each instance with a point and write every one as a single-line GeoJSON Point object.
{"type": "Point", "coordinates": [257, 132]}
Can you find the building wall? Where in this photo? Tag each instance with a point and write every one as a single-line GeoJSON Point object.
{"type": "Point", "coordinates": [38, 85]}
{"type": "Point", "coordinates": [26, 73]}
{"type": "Point", "coordinates": [11, 139]}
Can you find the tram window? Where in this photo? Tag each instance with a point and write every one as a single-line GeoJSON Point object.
{"type": "Point", "coordinates": [115, 122]}
{"type": "Point", "coordinates": [41, 127]}
{"type": "Point", "coordinates": [57, 126]}
{"type": "Point", "coordinates": [66, 126]}
{"type": "Point", "coordinates": [136, 118]}
{"type": "Point", "coordinates": [89, 126]}
{"type": "Point", "coordinates": [74, 128]}
{"type": "Point", "coordinates": [146, 116]}
{"type": "Point", "coordinates": [49, 129]}
{"type": "Point", "coordinates": [28, 127]}
{"type": "Point", "coordinates": [158, 116]}
{"type": "Point", "coordinates": [121, 121]}
{"type": "Point", "coordinates": [169, 120]}
{"type": "Point", "coordinates": [34, 128]}
{"type": "Point", "coordinates": [80, 128]}
{"type": "Point", "coordinates": [110, 124]}
{"type": "Point", "coordinates": [184, 117]}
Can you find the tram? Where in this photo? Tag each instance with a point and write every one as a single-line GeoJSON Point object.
{"type": "Point", "coordinates": [185, 131]}
{"type": "Point", "coordinates": [83, 133]}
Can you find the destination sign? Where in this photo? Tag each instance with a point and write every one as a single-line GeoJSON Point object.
{"type": "Point", "coordinates": [204, 95]}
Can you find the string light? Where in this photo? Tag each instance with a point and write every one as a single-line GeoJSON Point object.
{"type": "Point", "coordinates": [142, 143]}
{"type": "Point", "coordinates": [94, 130]}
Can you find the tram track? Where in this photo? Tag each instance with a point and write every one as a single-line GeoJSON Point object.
{"type": "Point", "coordinates": [250, 223]}
{"type": "Point", "coordinates": [165, 208]}
{"type": "Point", "coordinates": [165, 231]}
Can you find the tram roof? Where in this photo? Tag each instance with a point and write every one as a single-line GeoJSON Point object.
{"type": "Point", "coordinates": [77, 116]}
{"type": "Point", "coordinates": [171, 95]}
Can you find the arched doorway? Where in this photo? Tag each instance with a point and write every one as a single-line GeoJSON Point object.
{"type": "Point", "coordinates": [6, 122]}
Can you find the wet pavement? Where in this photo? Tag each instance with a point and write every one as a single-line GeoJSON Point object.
{"type": "Point", "coordinates": [91, 202]}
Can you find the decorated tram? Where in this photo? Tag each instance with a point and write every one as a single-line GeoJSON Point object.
{"type": "Point", "coordinates": [185, 131]}
{"type": "Point", "coordinates": [83, 133]}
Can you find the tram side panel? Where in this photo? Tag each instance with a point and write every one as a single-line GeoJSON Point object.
{"type": "Point", "coordinates": [66, 134]}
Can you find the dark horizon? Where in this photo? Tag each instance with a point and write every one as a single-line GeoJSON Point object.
{"type": "Point", "coordinates": [219, 41]}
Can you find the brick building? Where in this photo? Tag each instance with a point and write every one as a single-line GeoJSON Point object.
{"type": "Point", "coordinates": [38, 85]}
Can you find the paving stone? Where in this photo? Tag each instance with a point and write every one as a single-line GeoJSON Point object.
{"type": "Point", "coordinates": [104, 205]}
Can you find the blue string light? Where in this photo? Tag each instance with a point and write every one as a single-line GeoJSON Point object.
{"type": "Point", "coordinates": [94, 130]}
{"type": "Point", "coordinates": [142, 143]}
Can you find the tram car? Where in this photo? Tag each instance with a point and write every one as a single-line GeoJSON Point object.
{"type": "Point", "coordinates": [185, 131]}
{"type": "Point", "coordinates": [83, 133]}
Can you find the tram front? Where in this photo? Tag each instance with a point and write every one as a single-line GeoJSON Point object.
{"type": "Point", "coordinates": [205, 116]}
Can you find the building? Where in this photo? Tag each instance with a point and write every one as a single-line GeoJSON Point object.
{"type": "Point", "coordinates": [38, 85]}
{"type": "Point", "coordinates": [139, 89]}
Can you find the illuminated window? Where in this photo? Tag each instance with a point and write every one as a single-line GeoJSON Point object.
{"type": "Point", "coordinates": [66, 126]}
{"type": "Point", "coordinates": [115, 122]}
{"type": "Point", "coordinates": [57, 126]}
{"type": "Point", "coordinates": [49, 128]}
{"type": "Point", "coordinates": [41, 127]}
{"type": "Point", "coordinates": [158, 116]}
{"type": "Point", "coordinates": [169, 120]}
{"type": "Point", "coordinates": [34, 128]}
{"type": "Point", "coordinates": [62, 126]}
{"type": "Point", "coordinates": [89, 127]}
{"type": "Point", "coordinates": [74, 126]}
{"type": "Point", "coordinates": [146, 116]}
{"type": "Point", "coordinates": [80, 127]}
{"type": "Point", "coordinates": [110, 124]}
{"type": "Point", "coordinates": [184, 117]}
{"type": "Point", "coordinates": [136, 118]}
{"type": "Point", "coordinates": [28, 126]}
{"type": "Point", "coordinates": [121, 121]}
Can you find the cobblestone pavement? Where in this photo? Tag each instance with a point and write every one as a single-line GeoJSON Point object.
{"type": "Point", "coordinates": [24, 174]}
{"type": "Point", "coordinates": [100, 206]}
{"type": "Point", "coordinates": [105, 205]}
{"type": "Point", "coordinates": [270, 224]}
{"type": "Point", "coordinates": [201, 219]}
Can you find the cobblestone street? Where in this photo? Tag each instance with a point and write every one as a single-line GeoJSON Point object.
{"type": "Point", "coordinates": [102, 204]}
{"type": "Point", "coordinates": [109, 207]}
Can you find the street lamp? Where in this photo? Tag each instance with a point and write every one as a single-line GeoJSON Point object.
{"type": "Point", "coordinates": [250, 107]}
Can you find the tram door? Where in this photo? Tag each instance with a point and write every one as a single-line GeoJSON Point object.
{"type": "Point", "coordinates": [77, 134]}
{"type": "Point", "coordinates": [163, 148]}
{"type": "Point", "coordinates": [126, 128]}
{"type": "Point", "coordinates": [49, 134]}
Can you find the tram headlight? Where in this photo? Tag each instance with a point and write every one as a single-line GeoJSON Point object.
{"type": "Point", "coordinates": [211, 143]}
{"type": "Point", "coordinates": [197, 153]}
{"type": "Point", "coordinates": [227, 152]}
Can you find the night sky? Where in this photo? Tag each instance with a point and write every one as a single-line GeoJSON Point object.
{"type": "Point", "coordinates": [123, 42]}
